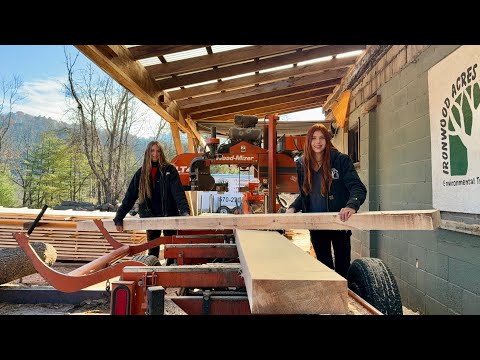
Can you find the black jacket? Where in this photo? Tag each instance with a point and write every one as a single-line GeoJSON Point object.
{"type": "Point", "coordinates": [168, 196]}
{"type": "Point", "coordinates": [347, 190]}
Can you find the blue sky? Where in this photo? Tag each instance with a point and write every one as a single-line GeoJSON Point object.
{"type": "Point", "coordinates": [43, 71]}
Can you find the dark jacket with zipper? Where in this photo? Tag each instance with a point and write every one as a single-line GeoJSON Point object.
{"type": "Point", "coordinates": [347, 190]}
{"type": "Point", "coordinates": [168, 196]}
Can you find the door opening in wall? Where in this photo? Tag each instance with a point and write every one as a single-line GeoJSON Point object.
{"type": "Point", "coordinates": [354, 143]}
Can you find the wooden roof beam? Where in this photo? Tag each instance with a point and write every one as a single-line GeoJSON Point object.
{"type": "Point", "coordinates": [262, 97]}
{"type": "Point", "coordinates": [239, 109]}
{"type": "Point", "coordinates": [147, 51]}
{"type": "Point", "coordinates": [261, 114]}
{"type": "Point", "coordinates": [253, 66]}
{"type": "Point", "coordinates": [130, 74]}
{"type": "Point", "coordinates": [223, 58]}
{"type": "Point", "coordinates": [271, 109]}
{"type": "Point", "coordinates": [209, 100]}
{"type": "Point", "coordinates": [331, 69]}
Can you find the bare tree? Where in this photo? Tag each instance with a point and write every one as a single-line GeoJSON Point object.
{"type": "Point", "coordinates": [105, 113]}
{"type": "Point", "coordinates": [9, 96]}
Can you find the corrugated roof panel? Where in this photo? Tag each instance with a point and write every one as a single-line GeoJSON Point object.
{"type": "Point", "coordinates": [187, 54]}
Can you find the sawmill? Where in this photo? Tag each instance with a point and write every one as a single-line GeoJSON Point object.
{"type": "Point", "coordinates": [230, 102]}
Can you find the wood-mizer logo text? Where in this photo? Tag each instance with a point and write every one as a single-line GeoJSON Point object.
{"type": "Point", "coordinates": [460, 124]}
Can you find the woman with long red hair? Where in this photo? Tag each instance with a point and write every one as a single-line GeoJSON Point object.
{"type": "Point", "coordinates": [328, 182]}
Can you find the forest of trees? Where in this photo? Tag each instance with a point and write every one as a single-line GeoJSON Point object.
{"type": "Point", "coordinates": [89, 158]}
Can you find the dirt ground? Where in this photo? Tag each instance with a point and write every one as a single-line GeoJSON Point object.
{"type": "Point", "coordinates": [102, 306]}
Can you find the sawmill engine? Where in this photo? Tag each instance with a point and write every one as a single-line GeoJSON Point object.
{"type": "Point", "coordinates": [244, 130]}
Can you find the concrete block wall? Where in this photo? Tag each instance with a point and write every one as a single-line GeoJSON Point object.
{"type": "Point", "coordinates": [438, 272]}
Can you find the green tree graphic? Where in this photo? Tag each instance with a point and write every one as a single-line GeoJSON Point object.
{"type": "Point", "coordinates": [464, 129]}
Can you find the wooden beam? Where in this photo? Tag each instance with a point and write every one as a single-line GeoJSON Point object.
{"type": "Point", "coordinates": [176, 139]}
{"type": "Point", "coordinates": [371, 104]}
{"type": "Point", "coordinates": [252, 66]}
{"type": "Point", "coordinates": [271, 109]}
{"type": "Point", "coordinates": [259, 90]}
{"type": "Point", "coordinates": [146, 51]}
{"type": "Point", "coordinates": [193, 129]}
{"type": "Point", "coordinates": [129, 73]}
{"type": "Point", "coordinates": [291, 281]}
{"type": "Point", "coordinates": [330, 70]}
{"type": "Point", "coordinates": [262, 97]}
{"type": "Point", "coordinates": [372, 220]}
{"type": "Point", "coordinates": [363, 64]}
{"type": "Point", "coordinates": [226, 57]}
{"type": "Point", "coordinates": [473, 229]}
{"type": "Point", "coordinates": [276, 100]}
{"type": "Point", "coordinates": [191, 144]}
{"type": "Point", "coordinates": [289, 108]}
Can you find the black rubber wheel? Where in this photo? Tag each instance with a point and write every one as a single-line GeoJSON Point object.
{"type": "Point", "coordinates": [224, 210]}
{"type": "Point", "coordinates": [149, 260]}
{"type": "Point", "coordinates": [372, 280]}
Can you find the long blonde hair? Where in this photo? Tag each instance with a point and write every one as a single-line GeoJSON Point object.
{"type": "Point", "coordinates": [144, 188]}
{"type": "Point", "coordinates": [309, 160]}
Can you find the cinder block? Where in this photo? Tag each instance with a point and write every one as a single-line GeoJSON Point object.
{"type": "Point", "coordinates": [417, 256]}
{"type": "Point", "coordinates": [471, 303]}
{"type": "Point", "coordinates": [433, 307]}
{"type": "Point", "coordinates": [416, 299]}
{"type": "Point", "coordinates": [464, 274]}
{"type": "Point", "coordinates": [437, 264]}
{"type": "Point", "coordinates": [436, 288]}
{"type": "Point", "coordinates": [408, 273]}
{"type": "Point", "coordinates": [455, 298]}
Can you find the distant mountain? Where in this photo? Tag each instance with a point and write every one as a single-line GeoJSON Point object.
{"type": "Point", "coordinates": [27, 128]}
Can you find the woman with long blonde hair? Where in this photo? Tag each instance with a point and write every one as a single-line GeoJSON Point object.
{"type": "Point", "coordinates": [159, 191]}
{"type": "Point", "coordinates": [328, 182]}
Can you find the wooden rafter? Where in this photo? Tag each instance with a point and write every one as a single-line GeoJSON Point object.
{"type": "Point", "coordinates": [259, 90]}
{"type": "Point", "coordinates": [285, 109]}
{"type": "Point", "coordinates": [275, 108]}
{"type": "Point", "coordinates": [331, 69]}
{"type": "Point", "coordinates": [218, 59]}
{"type": "Point", "coordinates": [238, 109]}
{"type": "Point", "coordinates": [117, 62]}
{"type": "Point", "coordinates": [263, 97]}
{"type": "Point", "coordinates": [252, 66]}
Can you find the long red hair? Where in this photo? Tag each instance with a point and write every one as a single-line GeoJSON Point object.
{"type": "Point", "coordinates": [309, 160]}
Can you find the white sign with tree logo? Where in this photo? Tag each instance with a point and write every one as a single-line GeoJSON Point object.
{"type": "Point", "coordinates": [454, 99]}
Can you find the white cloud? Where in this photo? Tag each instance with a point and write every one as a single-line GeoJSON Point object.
{"type": "Point", "coordinates": [43, 97]}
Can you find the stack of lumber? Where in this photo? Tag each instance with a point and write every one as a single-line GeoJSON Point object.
{"type": "Point", "coordinates": [58, 228]}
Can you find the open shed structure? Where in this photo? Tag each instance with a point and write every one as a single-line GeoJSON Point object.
{"type": "Point", "coordinates": [195, 87]}
{"type": "Point", "coordinates": [388, 123]}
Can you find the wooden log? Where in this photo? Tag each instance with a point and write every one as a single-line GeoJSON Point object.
{"type": "Point", "coordinates": [281, 278]}
{"type": "Point", "coordinates": [14, 263]}
{"type": "Point", "coordinates": [372, 220]}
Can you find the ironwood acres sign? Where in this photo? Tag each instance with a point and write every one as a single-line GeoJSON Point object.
{"type": "Point", "coordinates": [454, 99]}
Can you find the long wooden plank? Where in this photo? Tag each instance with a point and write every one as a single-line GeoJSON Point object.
{"type": "Point", "coordinates": [289, 282]}
{"type": "Point", "coordinates": [373, 220]}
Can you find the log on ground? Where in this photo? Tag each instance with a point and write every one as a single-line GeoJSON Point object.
{"type": "Point", "coordinates": [15, 264]}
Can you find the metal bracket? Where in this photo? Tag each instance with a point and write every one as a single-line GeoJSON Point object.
{"type": "Point", "coordinates": [206, 302]}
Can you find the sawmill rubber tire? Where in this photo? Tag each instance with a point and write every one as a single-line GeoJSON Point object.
{"type": "Point", "coordinates": [372, 280]}
{"type": "Point", "coordinates": [149, 260]}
